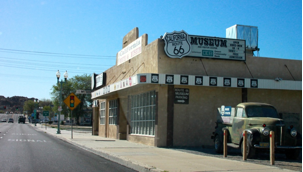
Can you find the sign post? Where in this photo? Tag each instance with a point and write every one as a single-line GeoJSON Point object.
{"type": "Point", "coordinates": [45, 114]}
{"type": "Point", "coordinates": [72, 102]}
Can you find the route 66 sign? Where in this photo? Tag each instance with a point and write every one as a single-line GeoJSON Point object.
{"type": "Point", "coordinates": [177, 44]}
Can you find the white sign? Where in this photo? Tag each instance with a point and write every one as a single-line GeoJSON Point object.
{"type": "Point", "coordinates": [60, 108]}
{"type": "Point", "coordinates": [99, 80]}
{"type": "Point", "coordinates": [180, 44]}
{"type": "Point", "coordinates": [83, 92]}
{"type": "Point", "coordinates": [176, 44]}
{"type": "Point", "coordinates": [130, 51]}
{"type": "Point", "coordinates": [219, 48]}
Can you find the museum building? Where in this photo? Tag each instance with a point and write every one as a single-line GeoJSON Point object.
{"type": "Point", "coordinates": [166, 93]}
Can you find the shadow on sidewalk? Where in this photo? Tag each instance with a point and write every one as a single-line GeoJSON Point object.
{"type": "Point", "coordinates": [234, 154]}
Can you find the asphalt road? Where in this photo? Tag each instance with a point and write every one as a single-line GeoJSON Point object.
{"type": "Point", "coordinates": [24, 149]}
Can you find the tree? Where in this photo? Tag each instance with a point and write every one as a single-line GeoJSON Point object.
{"type": "Point", "coordinates": [82, 82]}
{"type": "Point", "coordinates": [29, 106]}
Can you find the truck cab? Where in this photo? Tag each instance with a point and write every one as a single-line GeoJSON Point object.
{"type": "Point", "coordinates": [258, 119]}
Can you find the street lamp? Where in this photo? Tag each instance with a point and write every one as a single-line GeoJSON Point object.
{"type": "Point", "coordinates": [36, 100]}
{"type": "Point", "coordinates": [60, 96]}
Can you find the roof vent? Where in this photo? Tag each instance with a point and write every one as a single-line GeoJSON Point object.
{"type": "Point", "coordinates": [248, 33]}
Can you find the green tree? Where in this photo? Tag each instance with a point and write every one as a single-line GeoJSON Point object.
{"type": "Point", "coordinates": [29, 106]}
{"type": "Point", "coordinates": [82, 82]}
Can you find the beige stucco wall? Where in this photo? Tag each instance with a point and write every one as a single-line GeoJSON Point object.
{"type": "Point", "coordinates": [146, 62]}
{"type": "Point", "coordinates": [285, 101]}
{"type": "Point", "coordinates": [195, 122]}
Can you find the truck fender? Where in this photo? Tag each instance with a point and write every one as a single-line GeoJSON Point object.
{"type": "Point", "coordinates": [253, 136]}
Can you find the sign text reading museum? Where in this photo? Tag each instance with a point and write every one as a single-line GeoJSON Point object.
{"type": "Point", "coordinates": [214, 47]}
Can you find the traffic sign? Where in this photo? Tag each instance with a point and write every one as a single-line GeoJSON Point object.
{"type": "Point", "coordinates": [72, 101]}
{"type": "Point", "coordinates": [45, 113]}
{"type": "Point", "coordinates": [83, 92]}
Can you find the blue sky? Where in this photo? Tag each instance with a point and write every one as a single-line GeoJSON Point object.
{"type": "Point", "coordinates": [37, 38]}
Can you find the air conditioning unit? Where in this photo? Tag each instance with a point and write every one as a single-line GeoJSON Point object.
{"type": "Point", "coordinates": [248, 33]}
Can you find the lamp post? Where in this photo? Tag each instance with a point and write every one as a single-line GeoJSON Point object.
{"type": "Point", "coordinates": [36, 100]}
{"type": "Point", "coordinates": [60, 96]}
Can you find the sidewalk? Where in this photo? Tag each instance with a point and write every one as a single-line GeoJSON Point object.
{"type": "Point", "coordinates": [147, 158]}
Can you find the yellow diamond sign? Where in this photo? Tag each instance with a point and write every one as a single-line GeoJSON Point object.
{"type": "Point", "coordinates": [72, 101]}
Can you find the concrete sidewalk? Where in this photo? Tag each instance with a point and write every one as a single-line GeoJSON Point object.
{"type": "Point", "coordinates": [147, 158]}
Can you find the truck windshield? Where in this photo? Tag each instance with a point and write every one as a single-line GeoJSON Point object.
{"type": "Point", "coordinates": [261, 111]}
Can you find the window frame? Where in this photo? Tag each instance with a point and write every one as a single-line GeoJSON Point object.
{"type": "Point", "coordinates": [143, 113]}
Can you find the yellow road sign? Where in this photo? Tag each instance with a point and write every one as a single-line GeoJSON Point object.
{"type": "Point", "coordinates": [72, 101]}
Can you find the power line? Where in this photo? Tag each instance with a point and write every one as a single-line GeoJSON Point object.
{"type": "Point", "coordinates": [34, 64]}
{"type": "Point", "coordinates": [52, 53]}
{"type": "Point", "coordinates": [52, 70]}
{"type": "Point", "coordinates": [41, 61]}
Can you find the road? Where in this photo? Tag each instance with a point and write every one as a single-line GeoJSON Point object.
{"type": "Point", "coordinates": [22, 148]}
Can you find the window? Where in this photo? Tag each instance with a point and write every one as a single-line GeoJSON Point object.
{"type": "Point", "coordinates": [143, 110]}
{"type": "Point", "coordinates": [102, 113]}
{"type": "Point", "coordinates": [262, 111]}
{"type": "Point", "coordinates": [113, 111]}
{"type": "Point", "coordinates": [239, 112]}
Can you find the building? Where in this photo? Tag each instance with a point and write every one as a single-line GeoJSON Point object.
{"type": "Point", "coordinates": [163, 94]}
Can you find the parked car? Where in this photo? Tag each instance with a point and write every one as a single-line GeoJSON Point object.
{"type": "Point", "coordinates": [258, 119]}
{"type": "Point", "coordinates": [11, 120]}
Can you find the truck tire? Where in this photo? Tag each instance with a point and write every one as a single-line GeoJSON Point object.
{"type": "Point", "coordinates": [218, 144]}
{"type": "Point", "coordinates": [292, 154]}
{"type": "Point", "coordinates": [251, 151]}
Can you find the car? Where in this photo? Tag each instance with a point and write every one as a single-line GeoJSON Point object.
{"type": "Point", "coordinates": [258, 119]}
{"type": "Point", "coordinates": [4, 120]}
{"type": "Point", "coordinates": [21, 119]}
{"type": "Point", "coordinates": [11, 120]}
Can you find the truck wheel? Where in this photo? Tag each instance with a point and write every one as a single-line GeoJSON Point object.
{"type": "Point", "coordinates": [218, 144]}
{"type": "Point", "coordinates": [292, 154]}
{"type": "Point", "coordinates": [250, 151]}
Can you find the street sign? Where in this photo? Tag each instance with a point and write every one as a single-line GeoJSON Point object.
{"type": "Point", "coordinates": [60, 108]}
{"type": "Point", "coordinates": [83, 92]}
{"type": "Point", "coordinates": [72, 101]}
{"type": "Point", "coordinates": [45, 113]}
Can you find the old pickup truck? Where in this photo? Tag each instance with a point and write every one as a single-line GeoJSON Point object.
{"type": "Point", "coordinates": [258, 119]}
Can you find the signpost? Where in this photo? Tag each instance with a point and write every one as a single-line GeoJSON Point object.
{"type": "Point", "coordinates": [45, 114]}
{"type": "Point", "coordinates": [72, 102]}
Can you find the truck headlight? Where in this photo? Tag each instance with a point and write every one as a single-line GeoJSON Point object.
{"type": "Point", "coordinates": [265, 131]}
{"type": "Point", "coordinates": [293, 132]}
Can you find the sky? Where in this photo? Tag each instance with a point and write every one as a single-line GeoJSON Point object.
{"type": "Point", "coordinates": [37, 38]}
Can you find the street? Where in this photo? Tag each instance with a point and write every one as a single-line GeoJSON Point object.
{"type": "Point", "coordinates": [22, 148]}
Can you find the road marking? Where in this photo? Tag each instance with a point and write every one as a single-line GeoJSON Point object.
{"type": "Point", "coordinates": [26, 140]}
{"type": "Point", "coordinates": [23, 134]}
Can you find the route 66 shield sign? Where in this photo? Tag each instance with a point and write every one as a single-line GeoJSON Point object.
{"type": "Point", "coordinates": [176, 44]}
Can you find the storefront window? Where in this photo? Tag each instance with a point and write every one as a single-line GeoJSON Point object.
{"type": "Point", "coordinates": [113, 111]}
{"type": "Point", "coordinates": [143, 110]}
{"type": "Point", "coordinates": [102, 113]}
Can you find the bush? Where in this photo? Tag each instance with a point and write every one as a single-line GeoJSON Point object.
{"type": "Point", "coordinates": [50, 122]}
{"type": "Point", "coordinates": [62, 122]}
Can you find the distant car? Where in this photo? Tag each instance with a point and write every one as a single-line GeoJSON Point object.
{"type": "Point", "coordinates": [4, 120]}
{"type": "Point", "coordinates": [21, 119]}
{"type": "Point", "coordinates": [11, 120]}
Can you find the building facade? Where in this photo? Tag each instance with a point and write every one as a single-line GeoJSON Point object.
{"type": "Point", "coordinates": [151, 98]}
